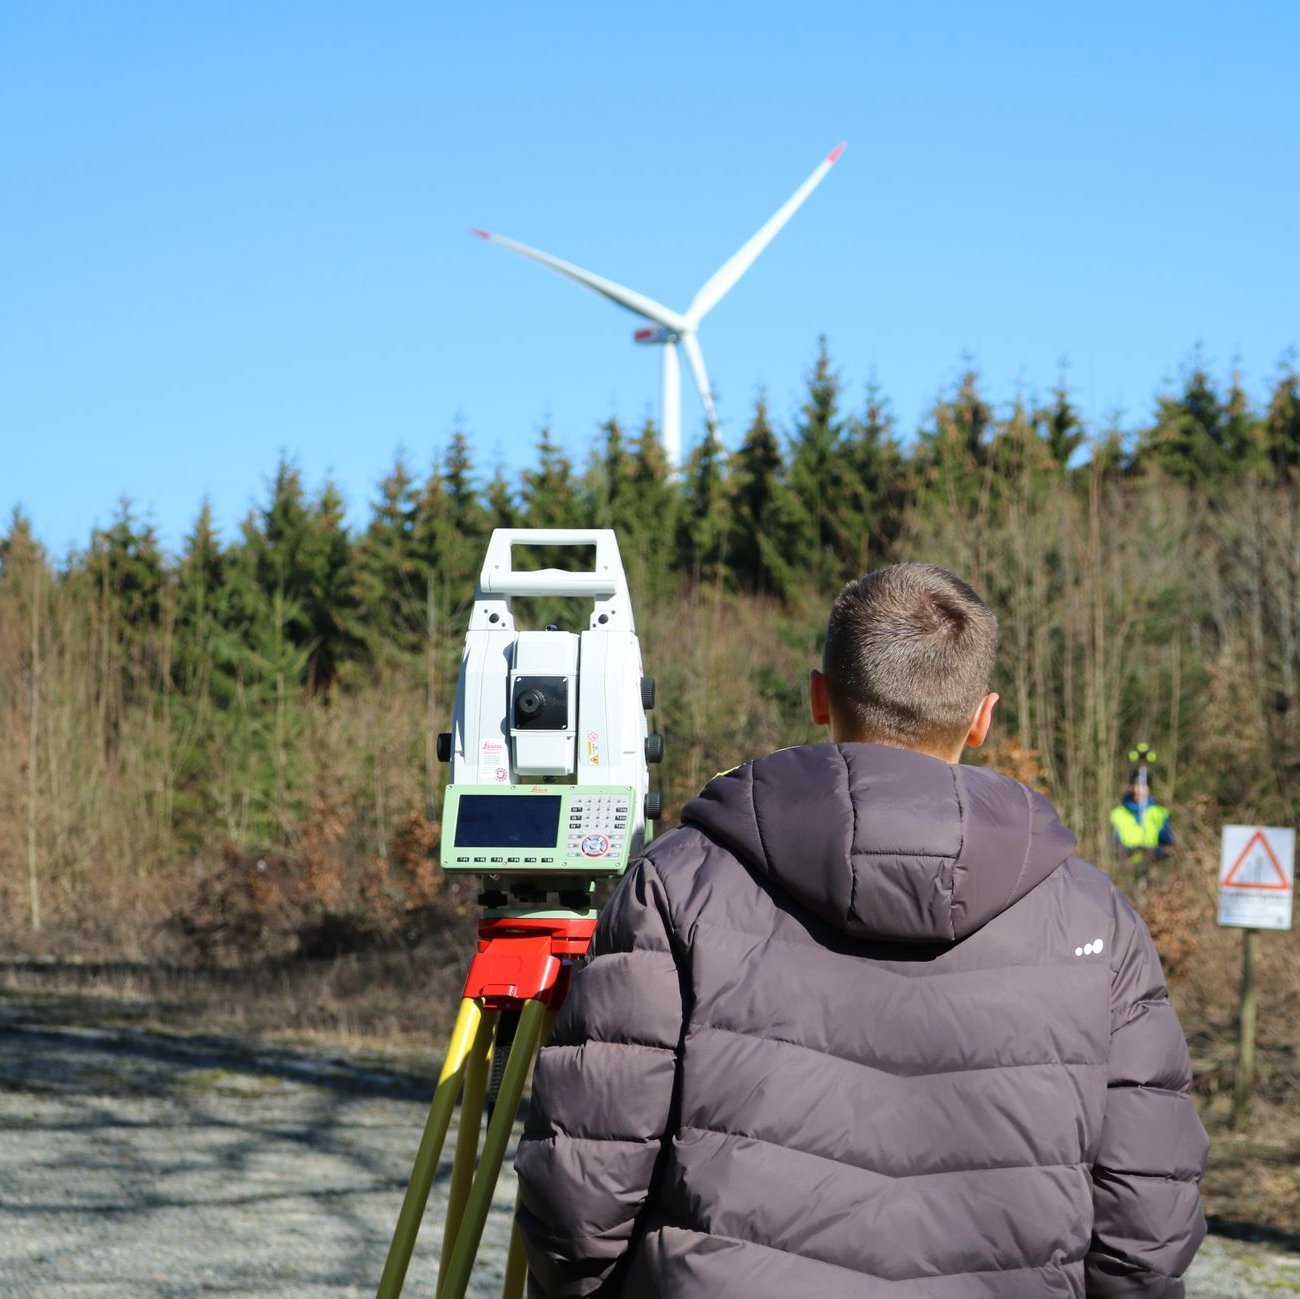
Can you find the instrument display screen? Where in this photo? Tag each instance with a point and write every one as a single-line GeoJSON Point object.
{"type": "Point", "coordinates": [507, 821]}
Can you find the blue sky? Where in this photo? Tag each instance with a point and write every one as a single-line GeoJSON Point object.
{"type": "Point", "coordinates": [237, 229]}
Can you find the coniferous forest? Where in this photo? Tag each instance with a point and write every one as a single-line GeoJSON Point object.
{"type": "Point", "coordinates": [234, 747]}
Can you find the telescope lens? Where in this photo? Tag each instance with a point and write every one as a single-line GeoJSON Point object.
{"type": "Point", "coordinates": [541, 703]}
{"type": "Point", "coordinates": [529, 704]}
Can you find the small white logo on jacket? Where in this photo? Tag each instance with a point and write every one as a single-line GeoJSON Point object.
{"type": "Point", "coordinates": [1090, 949]}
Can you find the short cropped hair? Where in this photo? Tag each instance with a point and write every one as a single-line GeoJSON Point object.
{"type": "Point", "coordinates": [909, 655]}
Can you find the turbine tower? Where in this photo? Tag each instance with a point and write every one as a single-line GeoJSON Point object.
{"type": "Point", "coordinates": [671, 329]}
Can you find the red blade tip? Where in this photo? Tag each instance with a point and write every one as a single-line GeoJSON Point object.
{"type": "Point", "coordinates": [835, 153]}
{"type": "Point", "coordinates": [482, 234]}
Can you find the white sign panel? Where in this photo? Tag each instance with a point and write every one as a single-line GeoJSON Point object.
{"type": "Point", "coordinates": [1257, 877]}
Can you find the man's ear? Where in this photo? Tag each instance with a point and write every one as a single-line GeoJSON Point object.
{"type": "Point", "coordinates": [979, 728]}
{"type": "Point", "coordinates": [819, 698]}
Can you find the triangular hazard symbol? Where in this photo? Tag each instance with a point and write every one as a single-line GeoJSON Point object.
{"type": "Point", "coordinates": [1257, 867]}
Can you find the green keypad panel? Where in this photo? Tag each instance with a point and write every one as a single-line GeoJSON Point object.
{"type": "Point", "coordinates": [522, 829]}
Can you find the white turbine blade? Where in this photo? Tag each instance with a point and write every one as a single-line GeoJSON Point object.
{"type": "Point", "coordinates": [696, 359]}
{"type": "Point", "coordinates": [625, 297]}
{"type": "Point", "coordinates": [718, 284]}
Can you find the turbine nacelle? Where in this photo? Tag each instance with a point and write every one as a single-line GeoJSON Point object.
{"type": "Point", "coordinates": [661, 334]}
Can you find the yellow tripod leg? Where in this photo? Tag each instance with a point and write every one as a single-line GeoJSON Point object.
{"type": "Point", "coordinates": [467, 1133]}
{"type": "Point", "coordinates": [463, 1036]}
{"type": "Point", "coordinates": [465, 1246]}
{"type": "Point", "coordinates": [512, 1287]}
{"type": "Point", "coordinates": [516, 1274]}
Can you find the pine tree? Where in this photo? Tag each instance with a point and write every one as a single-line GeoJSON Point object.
{"type": "Point", "coordinates": [878, 473]}
{"type": "Point", "coordinates": [198, 663]}
{"type": "Point", "coordinates": [550, 496]}
{"type": "Point", "coordinates": [1244, 434]}
{"type": "Point", "coordinates": [1282, 428]}
{"type": "Point", "coordinates": [19, 549]}
{"type": "Point", "coordinates": [703, 524]}
{"type": "Point", "coordinates": [200, 592]}
{"type": "Point", "coordinates": [282, 565]}
{"type": "Point", "coordinates": [821, 536]}
{"type": "Point", "coordinates": [389, 580]}
{"type": "Point", "coordinates": [1195, 439]}
{"type": "Point", "coordinates": [755, 482]}
{"type": "Point", "coordinates": [466, 514]}
{"type": "Point", "coordinates": [277, 544]}
{"type": "Point", "coordinates": [952, 454]}
{"type": "Point", "coordinates": [606, 482]}
{"type": "Point", "coordinates": [124, 573]}
{"type": "Point", "coordinates": [450, 536]}
{"type": "Point", "coordinates": [646, 512]}
{"type": "Point", "coordinates": [327, 591]}
{"type": "Point", "coordinates": [126, 559]}
{"type": "Point", "coordinates": [502, 507]}
{"type": "Point", "coordinates": [1060, 426]}
{"type": "Point", "coordinates": [1019, 456]}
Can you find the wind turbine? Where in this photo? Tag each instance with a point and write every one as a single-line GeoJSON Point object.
{"type": "Point", "coordinates": [673, 329]}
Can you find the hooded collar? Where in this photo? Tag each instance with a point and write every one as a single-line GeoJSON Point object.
{"type": "Point", "coordinates": [885, 843]}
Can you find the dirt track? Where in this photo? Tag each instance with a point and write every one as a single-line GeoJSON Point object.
{"type": "Point", "coordinates": [137, 1165]}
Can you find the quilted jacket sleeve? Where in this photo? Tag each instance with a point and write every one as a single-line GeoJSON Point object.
{"type": "Point", "coordinates": [601, 1097]}
{"type": "Point", "coordinates": [1148, 1220]}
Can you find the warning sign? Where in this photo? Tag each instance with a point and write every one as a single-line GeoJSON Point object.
{"type": "Point", "coordinates": [1256, 877]}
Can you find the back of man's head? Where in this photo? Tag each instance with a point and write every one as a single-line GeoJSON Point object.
{"type": "Point", "coordinates": [909, 656]}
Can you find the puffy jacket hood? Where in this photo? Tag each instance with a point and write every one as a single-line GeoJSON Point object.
{"type": "Point", "coordinates": [885, 843]}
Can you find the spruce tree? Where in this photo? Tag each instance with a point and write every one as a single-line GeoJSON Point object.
{"type": "Point", "coordinates": [19, 549]}
{"type": "Point", "coordinates": [277, 543]}
{"type": "Point", "coordinates": [755, 481]}
{"type": "Point", "coordinates": [645, 516]}
{"type": "Point", "coordinates": [327, 590]}
{"type": "Point", "coordinates": [200, 594]}
{"type": "Point", "coordinates": [821, 534]}
{"type": "Point", "coordinates": [389, 580]}
{"type": "Point", "coordinates": [502, 506]}
{"type": "Point", "coordinates": [952, 454]}
{"type": "Point", "coordinates": [877, 472]}
{"type": "Point", "coordinates": [1060, 426]}
{"type": "Point", "coordinates": [608, 474]}
{"type": "Point", "coordinates": [1282, 428]}
{"type": "Point", "coordinates": [1194, 439]}
{"type": "Point", "coordinates": [271, 582]}
{"type": "Point", "coordinates": [550, 496]}
{"type": "Point", "coordinates": [205, 669]}
{"type": "Point", "coordinates": [703, 524]}
{"type": "Point", "coordinates": [1019, 456]}
{"type": "Point", "coordinates": [1244, 434]}
{"type": "Point", "coordinates": [450, 536]}
{"type": "Point", "coordinates": [124, 573]}
{"type": "Point", "coordinates": [466, 514]}
{"type": "Point", "coordinates": [125, 557]}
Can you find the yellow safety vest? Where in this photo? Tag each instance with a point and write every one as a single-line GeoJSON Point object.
{"type": "Point", "coordinates": [1134, 834]}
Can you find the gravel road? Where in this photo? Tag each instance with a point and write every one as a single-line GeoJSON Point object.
{"type": "Point", "coordinates": [138, 1165]}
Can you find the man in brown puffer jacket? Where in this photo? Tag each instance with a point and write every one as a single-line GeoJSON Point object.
{"type": "Point", "coordinates": [863, 1026]}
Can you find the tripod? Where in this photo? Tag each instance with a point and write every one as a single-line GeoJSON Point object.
{"type": "Point", "coordinates": [549, 754]}
{"type": "Point", "coordinates": [516, 983]}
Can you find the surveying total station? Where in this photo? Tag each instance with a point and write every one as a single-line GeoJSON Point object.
{"type": "Point", "coordinates": [549, 793]}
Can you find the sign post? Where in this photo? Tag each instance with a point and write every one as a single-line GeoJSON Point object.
{"type": "Point", "coordinates": [1256, 886]}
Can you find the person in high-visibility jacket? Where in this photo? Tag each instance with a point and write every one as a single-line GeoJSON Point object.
{"type": "Point", "coordinates": [1141, 826]}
